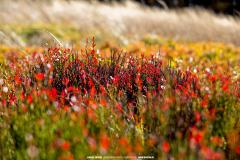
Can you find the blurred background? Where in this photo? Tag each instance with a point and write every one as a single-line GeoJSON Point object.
{"type": "Point", "coordinates": [220, 6]}
{"type": "Point", "coordinates": [119, 22]}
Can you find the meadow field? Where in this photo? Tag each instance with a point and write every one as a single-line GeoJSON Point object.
{"type": "Point", "coordinates": [85, 80]}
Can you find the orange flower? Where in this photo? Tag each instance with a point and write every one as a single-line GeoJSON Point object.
{"type": "Point", "coordinates": [152, 141]}
{"type": "Point", "coordinates": [123, 141]}
{"type": "Point", "coordinates": [66, 108]}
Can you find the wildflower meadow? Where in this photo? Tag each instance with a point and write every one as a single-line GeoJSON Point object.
{"type": "Point", "coordinates": [181, 101]}
{"type": "Point", "coordinates": [118, 81]}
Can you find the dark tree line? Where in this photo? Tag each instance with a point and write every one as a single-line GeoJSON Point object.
{"type": "Point", "coordinates": [225, 6]}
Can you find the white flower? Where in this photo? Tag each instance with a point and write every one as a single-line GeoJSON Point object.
{"type": "Point", "coordinates": [208, 70]}
{"type": "Point", "coordinates": [56, 104]}
{"type": "Point", "coordinates": [207, 88]}
{"type": "Point", "coordinates": [28, 137]}
{"type": "Point", "coordinates": [73, 99]}
{"type": "Point", "coordinates": [162, 87]}
{"type": "Point", "coordinates": [112, 78]}
{"type": "Point", "coordinates": [5, 89]}
{"type": "Point", "coordinates": [32, 151]}
{"type": "Point", "coordinates": [49, 65]}
{"type": "Point", "coordinates": [1, 82]}
{"type": "Point", "coordinates": [98, 51]}
{"type": "Point", "coordinates": [76, 108]}
{"type": "Point", "coordinates": [190, 59]}
{"type": "Point", "coordinates": [49, 112]}
{"type": "Point", "coordinates": [179, 60]}
{"type": "Point", "coordinates": [195, 70]}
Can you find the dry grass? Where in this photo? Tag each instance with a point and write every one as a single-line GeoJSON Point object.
{"type": "Point", "coordinates": [125, 21]}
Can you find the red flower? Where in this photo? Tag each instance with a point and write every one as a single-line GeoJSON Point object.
{"type": "Point", "coordinates": [165, 147]}
{"type": "Point", "coordinates": [225, 84]}
{"type": "Point", "coordinates": [102, 89]}
{"type": "Point", "coordinates": [225, 87]}
{"type": "Point", "coordinates": [66, 81]}
{"type": "Point", "coordinates": [65, 145]}
{"type": "Point", "coordinates": [212, 113]}
{"type": "Point", "coordinates": [237, 149]}
{"type": "Point", "coordinates": [119, 107]}
{"type": "Point", "coordinates": [22, 96]}
{"type": "Point", "coordinates": [213, 78]}
{"type": "Point", "coordinates": [66, 108]}
{"type": "Point", "coordinates": [115, 80]}
{"type": "Point", "coordinates": [29, 99]}
{"type": "Point", "coordinates": [204, 102]}
{"type": "Point", "coordinates": [52, 94]}
{"type": "Point", "coordinates": [17, 80]}
{"type": "Point", "coordinates": [217, 140]}
{"type": "Point", "coordinates": [196, 135]}
{"type": "Point", "coordinates": [105, 143]}
{"type": "Point", "coordinates": [39, 76]}
{"type": "Point", "coordinates": [165, 107]}
{"type": "Point", "coordinates": [103, 102]}
{"type": "Point", "coordinates": [12, 98]}
{"type": "Point", "coordinates": [92, 92]}
{"type": "Point", "coordinates": [208, 153]}
{"type": "Point", "coordinates": [197, 116]}
{"type": "Point", "coordinates": [123, 141]}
